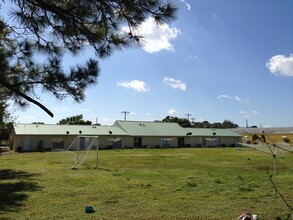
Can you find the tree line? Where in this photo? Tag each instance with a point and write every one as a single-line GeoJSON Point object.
{"type": "Point", "coordinates": [184, 122]}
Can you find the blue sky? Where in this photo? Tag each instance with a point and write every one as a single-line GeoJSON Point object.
{"type": "Point", "coordinates": [228, 59]}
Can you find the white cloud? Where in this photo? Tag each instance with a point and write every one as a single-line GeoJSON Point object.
{"type": "Point", "coordinates": [176, 84]}
{"type": "Point", "coordinates": [63, 108]}
{"type": "Point", "coordinates": [147, 114]}
{"type": "Point", "coordinates": [156, 37]}
{"type": "Point", "coordinates": [30, 117]}
{"type": "Point", "coordinates": [86, 110]}
{"type": "Point", "coordinates": [254, 112]}
{"type": "Point", "coordinates": [281, 65]}
{"type": "Point", "coordinates": [222, 97]}
{"type": "Point", "coordinates": [172, 112]}
{"type": "Point", "coordinates": [236, 98]}
{"type": "Point", "coordinates": [137, 85]}
{"type": "Point", "coordinates": [246, 114]}
{"type": "Point", "coordinates": [187, 4]}
{"type": "Point", "coordinates": [196, 58]}
{"type": "Point", "coordinates": [107, 121]}
{"type": "Point", "coordinates": [214, 15]}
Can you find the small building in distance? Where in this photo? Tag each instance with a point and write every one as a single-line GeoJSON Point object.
{"type": "Point", "coordinates": [274, 135]}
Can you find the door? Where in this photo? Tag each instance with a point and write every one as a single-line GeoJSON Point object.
{"type": "Point", "coordinates": [137, 142]}
{"type": "Point", "coordinates": [180, 142]}
{"type": "Point", "coordinates": [82, 143]}
{"type": "Point", "coordinates": [26, 143]}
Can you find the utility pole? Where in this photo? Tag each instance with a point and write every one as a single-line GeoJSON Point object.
{"type": "Point", "coordinates": [188, 116]}
{"type": "Point", "coordinates": [192, 120]}
{"type": "Point", "coordinates": [125, 113]}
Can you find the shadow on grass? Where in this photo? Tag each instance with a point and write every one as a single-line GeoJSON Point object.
{"type": "Point", "coordinates": [14, 186]}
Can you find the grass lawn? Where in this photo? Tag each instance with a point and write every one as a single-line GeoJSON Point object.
{"type": "Point", "coordinates": [210, 183]}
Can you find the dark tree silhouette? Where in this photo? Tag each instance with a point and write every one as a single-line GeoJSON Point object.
{"type": "Point", "coordinates": [75, 120]}
{"type": "Point", "coordinates": [183, 122]}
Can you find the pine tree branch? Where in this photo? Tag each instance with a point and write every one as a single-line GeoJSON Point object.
{"type": "Point", "coordinates": [13, 89]}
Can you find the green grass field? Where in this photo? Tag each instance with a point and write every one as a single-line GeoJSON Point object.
{"type": "Point", "coordinates": [145, 184]}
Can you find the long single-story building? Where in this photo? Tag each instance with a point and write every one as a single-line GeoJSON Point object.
{"type": "Point", "coordinates": [122, 134]}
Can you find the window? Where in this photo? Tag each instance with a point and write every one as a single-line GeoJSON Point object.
{"type": "Point", "coordinates": [58, 143]}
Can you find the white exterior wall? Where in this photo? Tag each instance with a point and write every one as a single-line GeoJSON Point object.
{"type": "Point", "coordinates": [228, 141]}
{"type": "Point", "coordinates": [201, 142]}
{"type": "Point", "coordinates": [31, 143]}
{"type": "Point", "coordinates": [106, 141]}
{"type": "Point", "coordinates": [193, 141]}
{"type": "Point", "coordinates": [152, 142]}
{"type": "Point", "coordinates": [127, 142]}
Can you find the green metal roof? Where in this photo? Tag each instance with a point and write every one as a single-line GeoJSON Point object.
{"type": "Point", "coordinates": [212, 132]}
{"type": "Point", "coordinates": [51, 129]}
{"type": "Point", "coordinates": [143, 128]}
{"type": "Point", "coordinates": [122, 128]}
